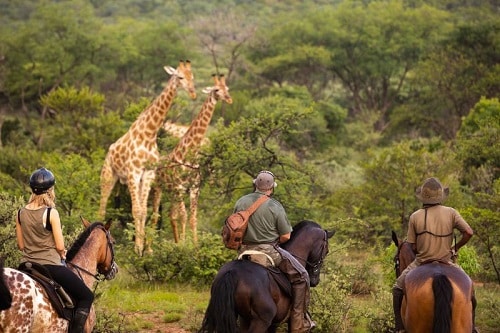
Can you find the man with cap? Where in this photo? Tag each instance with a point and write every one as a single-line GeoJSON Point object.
{"type": "Point", "coordinates": [268, 227]}
{"type": "Point", "coordinates": [430, 232]}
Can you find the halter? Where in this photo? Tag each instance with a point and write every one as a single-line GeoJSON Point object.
{"type": "Point", "coordinates": [101, 275]}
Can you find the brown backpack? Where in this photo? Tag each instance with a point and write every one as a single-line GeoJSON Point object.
{"type": "Point", "coordinates": [236, 224]}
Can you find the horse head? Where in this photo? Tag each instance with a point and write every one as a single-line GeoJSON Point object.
{"type": "Point", "coordinates": [404, 255]}
{"type": "Point", "coordinates": [309, 244]}
{"type": "Point", "coordinates": [105, 256]}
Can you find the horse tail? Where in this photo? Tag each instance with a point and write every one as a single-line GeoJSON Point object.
{"type": "Point", "coordinates": [443, 295]}
{"type": "Point", "coordinates": [220, 316]}
{"type": "Point", "coordinates": [5, 296]}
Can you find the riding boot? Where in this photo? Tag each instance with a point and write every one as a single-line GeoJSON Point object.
{"type": "Point", "coordinates": [397, 300]}
{"type": "Point", "coordinates": [299, 321]}
{"type": "Point", "coordinates": [79, 320]}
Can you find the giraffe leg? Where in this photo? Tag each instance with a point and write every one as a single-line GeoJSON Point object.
{"type": "Point", "coordinates": [179, 211]}
{"type": "Point", "coordinates": [133, 186]}
{"type": "Point", "coordinates": [174, 216]}
{"type": "Point", "coordinates": [108, 181]}
{"type": "Point", "coordinates": [193, 211]}
{"type": "Point", "coordinates": [144, 189]}
{"type": "Point", "coordinates": [157, 193]}
{"type": "Point", "coordinates": [183, 218]}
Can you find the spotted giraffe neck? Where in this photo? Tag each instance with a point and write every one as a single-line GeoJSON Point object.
{"type": "Point", "coordinates": [195, 134]}
{"type": "Point", "coordinates": [151, 119]}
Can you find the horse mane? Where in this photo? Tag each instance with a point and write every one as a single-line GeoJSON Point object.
{"type": "Point", "coordinates": [297, 229]}
{"type": "Point", "coordinates": [77, 245]}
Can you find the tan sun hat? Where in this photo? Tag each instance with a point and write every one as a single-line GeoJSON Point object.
{"type": "Point", "coordinates": [264, 181]}
{"type": "Point", "coordinates": [432, 191]}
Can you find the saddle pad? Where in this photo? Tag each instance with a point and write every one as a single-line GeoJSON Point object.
{"type": "Point", "coordinates": [281, 280]}
{"type": "Point", "coordinates": [48, 284]}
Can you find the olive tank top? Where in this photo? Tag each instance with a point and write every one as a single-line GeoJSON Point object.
{"type": "Point", "coordinates": [39, 243]}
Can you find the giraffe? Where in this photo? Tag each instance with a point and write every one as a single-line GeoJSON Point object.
{"type": "Point", "coordinates": [178, 171]}
{"type": "Point", "coordinates": [132, 157]}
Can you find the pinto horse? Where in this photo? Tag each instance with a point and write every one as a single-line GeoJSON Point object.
{"type": "Point", "coordinates": [438, 296]}
{"type": "Point", "coordinates": [90, 257]}
{"type": "Point", "coordinates": [243, 294]}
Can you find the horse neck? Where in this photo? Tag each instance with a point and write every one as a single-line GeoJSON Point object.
{"type": "Point", "coordinates": [300, 248]}
{"type": "Point", "coordinates": [406, 255]}
{"type": "Point", "coordinates": [86, 258]}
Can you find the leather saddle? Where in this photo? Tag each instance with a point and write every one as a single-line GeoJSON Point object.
{"type": "Point", "coordinates": [59, 298]}
{"type": "Point", "coordinates": [274, 272]}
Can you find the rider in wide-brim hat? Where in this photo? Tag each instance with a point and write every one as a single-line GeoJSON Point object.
{"type": "Point", "coordinates": [432, 192]}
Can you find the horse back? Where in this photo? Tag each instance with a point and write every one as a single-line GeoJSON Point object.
{"type": "Point", "coordinates": [437, 284]}
{"type": "Point", "coordinates": [30, 310]}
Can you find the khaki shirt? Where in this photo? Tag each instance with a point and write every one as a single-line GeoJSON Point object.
{"type": "Point", "coordinates": [433, 235]}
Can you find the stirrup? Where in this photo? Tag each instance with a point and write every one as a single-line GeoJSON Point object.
{"type": "Point", "coordinates": [312, 323]}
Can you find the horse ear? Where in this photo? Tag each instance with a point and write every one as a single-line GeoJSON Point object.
{"type": "Point", "coordinates": [108, 224]}
{"type": "Point", "coordinates": [329, 234]}
{"type": "Point", "coordinates": [395, 238]}
{"type": "Point", "coordinates": [85, 222]}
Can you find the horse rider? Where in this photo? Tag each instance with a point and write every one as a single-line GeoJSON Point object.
{"type": "Point", "coordinates": [430, 233]}
{"type": "Point", "coordinates": [267, 228]}
{"type": "Point", "coordinates": [40, 238]}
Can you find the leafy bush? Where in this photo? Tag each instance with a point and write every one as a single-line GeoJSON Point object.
{"type": "Point", "coordinates": [8, 245]}
{"type": "Point", "coordinates": [183, 262]}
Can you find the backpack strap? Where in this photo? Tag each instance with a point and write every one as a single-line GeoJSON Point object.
{"type": "Point", "coordinates": [256, 204]}
{"type": "Point", "coordinates": [48, 226]}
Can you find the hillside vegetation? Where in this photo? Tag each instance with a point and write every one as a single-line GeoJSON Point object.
{"type": "Point", "coordinates": [352, 104]}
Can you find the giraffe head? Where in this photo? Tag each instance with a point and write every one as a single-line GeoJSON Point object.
{"type": "Point", "coordinates": [220, 92]}
{"type": "Point", "coordinates": [185, 77]}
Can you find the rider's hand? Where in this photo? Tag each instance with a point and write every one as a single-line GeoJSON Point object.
{"type": "Point", "coordinates": [454, 254]}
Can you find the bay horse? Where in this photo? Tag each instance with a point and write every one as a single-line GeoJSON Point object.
{"type": "Point", "coordinates": [244, 298]}
{"type": "Point", "coordinates": [438, 297]}
{"type": "Point", "coordinates": [91, 257]}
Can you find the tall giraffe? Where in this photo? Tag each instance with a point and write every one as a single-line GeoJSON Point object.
{"type": "Point", "coordinates": [132, 158]}
{"type": "Point", "coordinates": [178, 171]}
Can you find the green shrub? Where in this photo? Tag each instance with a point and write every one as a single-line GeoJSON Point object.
{"type": "Point", "coordinates": [182, 262]}
{"type": "Point", "coordinates": [8, 244]}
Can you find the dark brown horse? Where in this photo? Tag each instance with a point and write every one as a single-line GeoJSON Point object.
{"type": "Point", "coordinates": [438, 296]}
{"type": "Point", "coordinates": [244, 298]}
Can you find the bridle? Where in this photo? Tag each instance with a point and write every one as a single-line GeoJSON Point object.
{"type": "Point", "coordinates": [315, 266]}
{"type": "Point", "coordinates": [397, 263]}
{"type": "Point", "coordinates": [102, 273]}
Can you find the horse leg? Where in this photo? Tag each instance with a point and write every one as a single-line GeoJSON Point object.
{"type": "Point", "coordinates": [463, 308]}
{"type": "Point", "coordinates": [261, 324]}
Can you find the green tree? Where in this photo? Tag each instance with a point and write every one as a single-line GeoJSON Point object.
{"type": "Point", "coordinates": [79, 123]}
{"type": "Point", "coordinates": [452, 78]}
{"type": "Point", "coordinates": [266, 138]}
{"type": "Point", "coordinates": [385, 200]}
{"type": "Point", "coordinates": [478, 151]}
{"type": "Point", "coordinates": [478, 145]}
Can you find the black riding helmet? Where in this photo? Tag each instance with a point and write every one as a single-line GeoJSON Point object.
{"type": "Point", "coordinates": [41, 180]}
